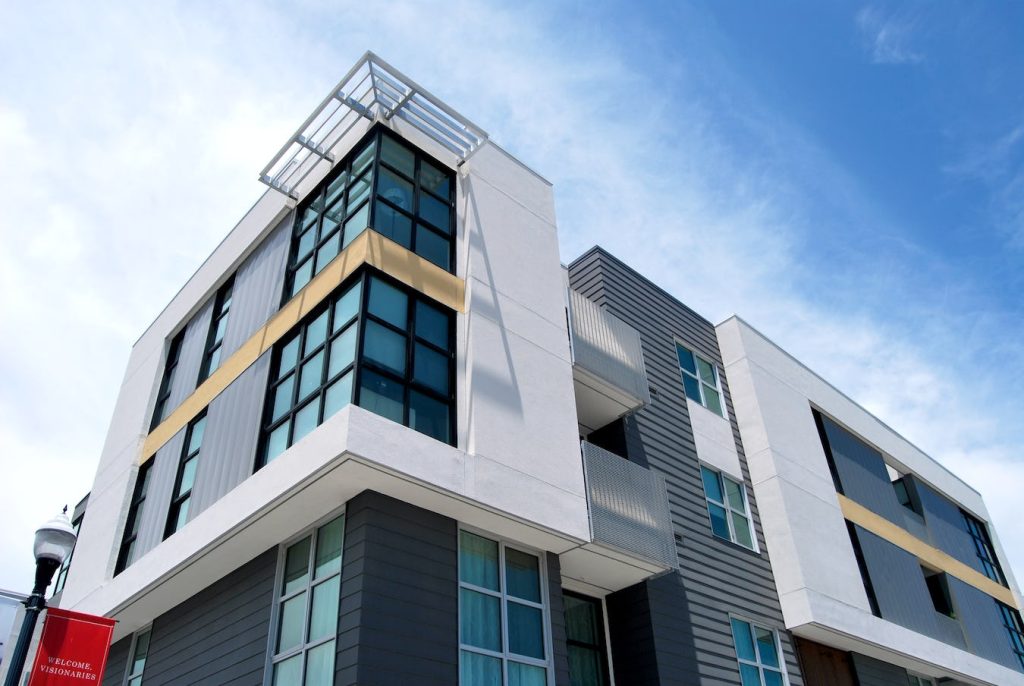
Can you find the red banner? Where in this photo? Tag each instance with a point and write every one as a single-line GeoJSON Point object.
{"type": "Point", "coordinates": [73, 649]}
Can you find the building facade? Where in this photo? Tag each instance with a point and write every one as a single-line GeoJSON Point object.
{"type": "Point", "coordinates": [383, 436]}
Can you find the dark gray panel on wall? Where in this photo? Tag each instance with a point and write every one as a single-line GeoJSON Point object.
{"type": "Point", "coordinates": [983, 625]}
{"type": "Point", "coordinates": [192, 347]}
{"type": "Point", "coordinates": [218, 636]}
{"type": "Point", "coordinates": [258, 286]}
{"type": "Point", "coordinates": [872, 672]}
{"type": "Point", "coordinates": [946, 527]}
{"type": "Point", "coordinates": [399, 614]}
{"type": "Point", "coordinates": [158, 495]}
{"type": "Point", "coordinates": [715, 577]}
{"type": "Point", "coordinates": [232, 431]}
{"type": "Point", "coordinates": [117, 663]}
{"type": "Point", "coordinates": [862, 473]}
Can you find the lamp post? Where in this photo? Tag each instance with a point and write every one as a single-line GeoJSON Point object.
{"type": "Point", "coordinates": [53, 543]}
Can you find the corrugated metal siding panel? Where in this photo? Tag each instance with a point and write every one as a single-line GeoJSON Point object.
{"type": "Point", "coordinates": [192, 346]}
{"type": "Point", "coordinates": [607, 347]}
{"type": "Point", "coordinates": [872, 672]}
{"type": "Point", "coordinates": [399, 618]}
{"type": "Point", "coordinates": [982, 624]}
{"type": "Point", "coordinates": [862, 473]}
{"type": "Point", "coordinates": [229, 445]}
{"type": "Point", "coordinates": [117, 663]}
{"type": "Point", "coordinates": [158, 497]}
{"type": "Point", "coordinates": [946, 527]}
{"type": "Point", "coordinates": [220, 635]}
{"type": "Point", "coordinates": [258, 286]}
{"type": "Point", "coordinates": [718, 577]}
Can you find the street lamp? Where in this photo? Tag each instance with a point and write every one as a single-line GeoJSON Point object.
{"type": "Point", "coordinates": [53, 544]}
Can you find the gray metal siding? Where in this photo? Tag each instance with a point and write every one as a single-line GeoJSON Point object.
{"type": "Point", "coordinates": [715, 577]}
{"type": "Point", "coordinates": [872, 672]}
{"type": "Point", "coordinates": [982, 623]}
{"type": "Point", "coordinates": [946, 527]}
{"type": "Point", "coordinates": [228, 452]}
{"type": "Point", "coordinates": [117, 663]}
{"type": "Point", "coordinates": [399, 619]}
{"type": "Point", "coordinates": [158, 497]}
{"type": "Point", "coordinates": [190, 358]}
{"type": "Point", "coordinates": [220, 635]}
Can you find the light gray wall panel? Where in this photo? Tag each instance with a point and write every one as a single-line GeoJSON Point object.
{"type": "Point", "coordinates": [982, 624]}
{"type": "Point", "coordinates": [158, 497]}
{"type": "Point", "coordinates": [258, 287]}
{"type": "Point", "coordinates": [192, 347]}
{"type": "Point", "coordinates": [228, 453]}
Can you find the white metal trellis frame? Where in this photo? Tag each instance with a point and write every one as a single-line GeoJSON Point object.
{"type": "Point", "coordinates": [373, 90]}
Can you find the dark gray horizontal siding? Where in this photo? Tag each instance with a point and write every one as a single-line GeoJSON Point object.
{"type": "Point", "coordinates": [715, 577]}
{"type": "Point", "coordinates": [220, 635]}
{"type": "Point", "coordinates": [983, 625]}
{"type": "Point", "coordinates": [872, 672]}
{"type": "Point", "coordinates": [117, 663]}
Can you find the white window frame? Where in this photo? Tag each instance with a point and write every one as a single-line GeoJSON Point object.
{"type": "Point", "coordinates": [729, 508]}
{"type": "Point", "coordinates": [758, 665]}
{"type": "Point", "coordinates": [703, 402]}
{"type": "Point", "coordinates": [544, 606]}
{"type": "Point", "coordinates": [128, 674]}
{"type": "Point", "coordinates": [279, 598]}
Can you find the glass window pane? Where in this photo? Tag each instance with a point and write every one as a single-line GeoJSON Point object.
{"type": "Point", "coordinates": [303, 274]}
{"type": "Point", "coordinates": [320, 665]}
{"type": "Point", "coordinates": [479, 620]}
{"type": "Point", "coordinates": [289, 356]}
{"type": "Point", "coordinates": [385, 347]}
{"type": "Point", "coordinates": [188, 475]}
{"type": "Point", "coordinates": [741, 527]}
{"type": "Point", "coordinates": [309, 216]}
{"type": "Point", "coordinates": [362, 161]}
{"type": "Point", "coordinates": [181, 518]}
{"type": "Point", "coordinates": [585, 667]}
{"type": "Point", "coordinates": [292, 619]}
{"type": "Point", "coordinates": [214, 362]}
{"type": "Point", "coordinates": [522, 575]}
{"type": "Point", "coordinates": [306, 243]}
{"type": "Point", "coordinates": [316, 332]}
{"type": "Point", "coordinates": [479, 670]}
{"type": "Point", "coordinates": [356, 225]}
{"type": "Point", "coordinates": [393, 224]}
{"type": "Point", "coordinates": [336, 187]}
{"type": "Point", "coordinates": [296, 566]}
{"type": "Point", "coordinates": [581, 620]}
{"type": "Point", "coordinates": [137, 681]}
{"type": "Point", "coordinates": [775, 678]}
{"type": "Point", "coordinates": [388, 303]}
{"type": "Point", "coordinates": [734, 493]}
{"type": "Point", "coordinates": [713, 401]}
{"type": "Point", "coordinates": [525, 630]}
{"type": "Point", "coordinates": [196, 435]}
{"type": "Point", "coordinates": [526, 675]}
{"type": "Point", "coordinates": [343, 351]}
{"type": "Point", "coordinates": [382, 396]}
{"type": "Point", "coordinates": [306, 420]}
{"type": "Point", "coordinates": [328, 548]}
{"type": "Point", "coordinates": [278, 441]}
{"type": "Point", "coordinates": [398, 156]}
{"type": "Point", "coordinates": [429, 416]}
{"type": "Point", "coordinates": [478, 560]}
{"type": "Point", "coordinates": [435, 180]}
{"type": "Point", "coordinates": [347, 306]}
{"type": "Point", "coordinates": [744, 640]}
{"type": "Point", "coordinates": [323, 617]}
{"type": "Point", "coordinates": [332, 218]}
{"type": "Point", "coordinates": [395, 190]}
{"type": "Point", "coordinates": [433, 247]}
{"type": "Point", "coordinates": [686, 360]}
{"type": "Point", "coordinates": [712, 484]}
{"type": "Point", "coordinates": [358, 192]}
{"type": "Point", "coordinates": [141, 650]}
{"type": "Point", "coordinates": [692, 387]}
{"type": "Point", "coordinates": [750, 675]}
{"type": "Point", "coordinates": [766, 647]}
{"type": "Point", "coordinates": [328, 251]}
{"type": "Point", "coordinates": [706, 372]}
{"type": "Point", "coordinates": [436, 212]}
{"type": "Point", "coordinates": [311, 375]}
{"type": "Point", "coordinates": [719, 525]}
{"type": "Point", "coordinates": [283, 397]}
{"type": "Point", "coordinates": [339, 394]}
{"type": "Point", "coordinates": [288, 672]}
{"type": "Point", "coordinates": [222, 325]}
{"type": "Point", "coordinates": [430, 368]}
{"type": "Point", "coordinates": [431, 324]}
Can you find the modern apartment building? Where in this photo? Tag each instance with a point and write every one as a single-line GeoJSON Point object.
{"type": "Point", "coordinates": [383, 436]}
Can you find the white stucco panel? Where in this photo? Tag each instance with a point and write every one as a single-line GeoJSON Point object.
{"type": "Point", "coordinates": [713, 437]}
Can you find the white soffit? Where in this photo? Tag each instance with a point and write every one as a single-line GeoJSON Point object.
{"type": "Point", "coordinates": [375, 90]}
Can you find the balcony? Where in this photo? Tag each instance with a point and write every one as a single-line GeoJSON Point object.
{"type": "Point", "coordinates": [630, 524]}
{"type": "Point", "coordinates": [608, 364]}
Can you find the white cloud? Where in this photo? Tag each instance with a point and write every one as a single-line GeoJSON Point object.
{"type": "Point", "coordinates": [887, 36]}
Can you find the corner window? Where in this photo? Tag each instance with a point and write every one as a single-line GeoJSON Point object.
{"type": "Point", "coordinates": [384, 184]}
{"type": "Point", "coordinates": [502, 635]}
{"type": "Point", "coordinates": [218, 325]}
{"type": "Point", "coordinates": [727, 508]}
{"type": "Point", "coordinates": [983, 548]}
{"type": "Point", "coordinates": [938, 589]}
{"type": "Point", "coordinates": [306, 612]}
{"type": "Point", "coordinates": [164, 394]}
{"type": "Point", "coordinates": [126, 554]}
{"type": "Point", "coordinates": [181, 497]}
{"type": "Point", "coordinates": [758, 654]}
{"type": "Point", "coordinates": [140, 649]}
{"type": "Point", "coordinates": [1014, 630]}
{"type": "Point", "coordinates": [700, 380]}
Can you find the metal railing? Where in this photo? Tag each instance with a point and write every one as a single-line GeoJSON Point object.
{"type": "Point", "coordinates": [607, 347]}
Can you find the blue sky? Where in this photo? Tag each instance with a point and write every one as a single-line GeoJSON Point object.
{"type": "Point", "coordinates": [848, 177]}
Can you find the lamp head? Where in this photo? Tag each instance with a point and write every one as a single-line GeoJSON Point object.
{"type": "Point", "coordinates": [55, 539]}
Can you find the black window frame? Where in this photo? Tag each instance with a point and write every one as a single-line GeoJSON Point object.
{"type": "Point", "coordinates": [180, 499]}
{"type": "Point", "coordinates": [938, 590]}
{"type": "Point", "coordinates": [601, 647]}
{"type": "Point", "coordinates": [164, 394]}
{"type": "Point", "coordinates": [221, 310]}
{"type": "Point", "coordinates": [983, 548]}
{"type": "Point", "coordinates": [1014, 629]}
{"type": "Point", "coordinates": [318, 197]}
{"type": "Point", "coordinates": [125, 554]}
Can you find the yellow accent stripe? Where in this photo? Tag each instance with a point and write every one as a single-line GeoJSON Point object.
{"type": "Point", "coordinates": [368, 248]}
{"type": "Point", "coordinates": [863, 517]}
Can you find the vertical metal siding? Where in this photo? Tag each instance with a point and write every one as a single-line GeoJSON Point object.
{"type": "Point", "coordinates": [983, 625]}
{"type": "Point", "coordinates": [192, 346]}
{"type": "Point", "coordinates": [689, 637]}
{"type": "Point", "coordinates": [158, 497]}
{"type": "Point", "coordinates": [946, 527]}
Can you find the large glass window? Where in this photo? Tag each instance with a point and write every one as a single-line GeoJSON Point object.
{"type": "Point", "coordinates": [385, 184]}
{"type": "Point", "coordinates": [164, 394]}
{"type": "Point", "coordinates": [218, 325]}
{"type": "Point", "coordinates": [502, 635]}
{"type": "Point", "coordinates": [983, 547]}
{"type": "Point", "coordinates": [375, 343]}
{"type": "Point", "coordinates": [126, 554]}
{"type": "Point", "coordinates": [1014, 630]}
{"type": "Point", "coordinates": [700, 380]}
{"type": "Point", "coordinates": [758, 654]}
{"type": "Point", "coordinates": [309, 590]}
{"type": "Point", "coordinates": [727, 508]}
{"type": "Point", "coordinates": [181, 497]}
{"type": "Point", "coordinates": [584, 634]}
{"type": "Point", "coordinates": [137, 665]}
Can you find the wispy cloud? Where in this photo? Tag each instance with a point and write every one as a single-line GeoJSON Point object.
{"type": "Point", "coordinates": [888, 36]}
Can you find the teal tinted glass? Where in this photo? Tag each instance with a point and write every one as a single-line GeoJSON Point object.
{"type": "Point", "coordinates": [343, 351]}
{"type": "Point", "coordinates": [278, 441]}
{"type": "Point", "coordinates": [435, 180]}
{"type": "Point", "coordinates": [431, 324]}
{"type": "Point", "coordinates": [296, 566]}
{"type": "Point", "coordinates": [381, 396]}
{"type": "Point", "coordinates": [706, 372]}
{"type": "Point", "coordinates": [744, 640]}
{"type": "Point", "coordinates": [328, 548]}
{"type": "Point", "coordinates": [385, 347]}
{"type": "Point", "coordinates": [749, 675]}
{"type": "Point", "coordinates": [289, 672]}
{"type": "Point", "coordinates": [292, 620]}
{"type": "Point", "coordinates": [435, 212]}
{"type": "Point", "coordinates": [388, 303]}
{"type": "Point", "coordinates": [306, 420]}
{"type": "Point", "coordinates": [392, 224]}
{"type": "Point", "coordinates": [741, 526]}
{"type": "Point", "coordinates": [478, 560]}
{"type": "Point", "coordinates": [430, 368]}
{"type": "Point", "coordinates": [433, 247]}
{"type": "Point", "coordinates": [734, 494]}
{"type": "Point", "coordinates": [339, 394]}
{"type": "Point", "coordinates": [766, 647]}
{"type": "Point", "coordinates": [395, 190]}
{"type": "Point", "coordinates": [316, 333]}
{"type": "Point", "coordinates": [712, 484]}
{"type": "Point", "coordinates": [520, 674]}
{"type": "Point", "coordinates": [323, 616]}
{"type": "Point", "coordinates": [522, 575]}
{"type": "Point", "coordinates": [320, 665]}
{"type": "Point", "coordinates": [429, 416]}
{"type": "Point", "coordinates": [772, 678]}
{"type": "Point", "coordinates": [525, 630]}
{"type": "Point", "coordinates": [347, 306]}
{"type": "Point", "coordinates": [479, 670]}
{"type": "Point", "coordinates": [289, 356]}
{"type": "Point", "coordinates": [479, 620]}
{"type": "Point", "coordinates": [692, 387]}
{"type": "Point", "coordinates": [686, 360]}
{"type": "Point", "coordinates": [283, 398]}
{"type": "Point", "coordinates": [311, 374]}
{"type": "Point", "coordinates": [719, 524]}
{"type": "Point", "coordinates": [188, 475]}
{"type": "Point", "coordinates": [398, 156]}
